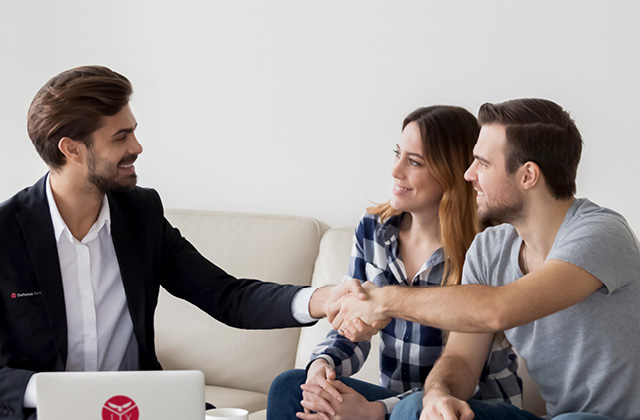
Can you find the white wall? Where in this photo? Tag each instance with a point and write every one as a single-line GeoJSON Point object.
{"type": "Point", "coordinates": [292, 106]}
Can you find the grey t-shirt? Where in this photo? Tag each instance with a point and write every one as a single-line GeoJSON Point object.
{"type": "Point", "coordinates": [584, 358]}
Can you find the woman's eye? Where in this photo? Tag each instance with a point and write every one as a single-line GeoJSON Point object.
{"type": "Point", "coordinates": [414, 162]}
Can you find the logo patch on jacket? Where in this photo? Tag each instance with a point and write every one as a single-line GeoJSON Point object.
{"type": "Point", "coordinates": [17, 295]}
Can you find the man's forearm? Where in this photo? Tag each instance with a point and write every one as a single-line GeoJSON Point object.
{"type": "Point", "coordinates": [451, 377]}
{"type": "Point", "coordinates": [470, 308]}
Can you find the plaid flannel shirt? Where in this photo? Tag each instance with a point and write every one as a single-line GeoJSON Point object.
{"type": "Point", "coordinates": [408, 350]}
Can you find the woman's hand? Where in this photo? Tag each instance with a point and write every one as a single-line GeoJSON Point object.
{"type": "Point", "coordinates": [356, 407]}
{"type": "Point", "coordinates": [319, 392]}
{"type": "Point", "coordinates": [353, 407]}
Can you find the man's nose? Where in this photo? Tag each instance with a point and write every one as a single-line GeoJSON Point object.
{"type": "Point", "coordinates": [470, 173]}
{"type": "Point", "coordinates": [136, 147]}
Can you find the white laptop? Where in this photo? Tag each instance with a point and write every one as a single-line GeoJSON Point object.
{"type": "Point", "coordinates": [139, 395]}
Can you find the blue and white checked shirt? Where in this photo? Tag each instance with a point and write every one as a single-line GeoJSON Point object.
{"type": "Point", "coordinates": [408, 350]}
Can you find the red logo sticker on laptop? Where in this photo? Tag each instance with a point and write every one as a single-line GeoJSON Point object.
{"type": "Point", "coordinates": [120, 408]}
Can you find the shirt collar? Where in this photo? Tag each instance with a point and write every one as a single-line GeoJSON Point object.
{"type": "Point", "coordinates": [389, 232]}
{"type": "Point", "coordinates": [390, 229]}
{"type": "Point", "coordinates": [60, 227]}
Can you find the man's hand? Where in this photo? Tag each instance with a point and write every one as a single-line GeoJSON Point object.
{"type": "Point", "coordinates": [349, 308]}
{"type": "Point", "coordinates": [325, 301]}
{"type": "Point", "coordinates": [320, 304]}
{"type": "Point", "coordinates": [319, 392]}
{"type": "Point", "coordinates": [352, 286]}
{"type": "Point", "coordinates": [438, 405]}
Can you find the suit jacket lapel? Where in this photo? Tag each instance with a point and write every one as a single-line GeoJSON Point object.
{"type": "Point", "coordinates": [132, 274]}
{"type": "Point", "coordinates": [35, 222]}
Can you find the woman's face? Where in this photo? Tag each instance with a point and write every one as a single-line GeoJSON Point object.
{"type": "Point", "coordinates": [414, 190]}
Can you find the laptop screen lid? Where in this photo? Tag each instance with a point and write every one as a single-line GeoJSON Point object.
{"type": "Point", "coordinates": [130, 395]}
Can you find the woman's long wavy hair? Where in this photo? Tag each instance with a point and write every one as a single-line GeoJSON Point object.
{"type": "Point", "coordinates": [448, 135]}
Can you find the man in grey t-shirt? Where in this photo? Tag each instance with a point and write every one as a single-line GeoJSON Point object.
{"type": "Point", "coordinates": [561, 277]}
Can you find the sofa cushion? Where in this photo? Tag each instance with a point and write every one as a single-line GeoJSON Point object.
{"type": "Point", "coordinates": [272, 248]}
{"type": "Point", "coordinates": [258, 415]}
{"type": "Point", "coordinates": [223, 397]}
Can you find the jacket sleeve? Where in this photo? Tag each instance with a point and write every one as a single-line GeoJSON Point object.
{"type": "Point", "coordinates": [13, 383]}
{"type": "Point", "coordinates": [241, 303]}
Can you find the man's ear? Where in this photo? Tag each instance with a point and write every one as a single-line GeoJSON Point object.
{"type": "Point", "coordinates": [530, 175]}
{"type": "Point", "coordinates": [71, 149]}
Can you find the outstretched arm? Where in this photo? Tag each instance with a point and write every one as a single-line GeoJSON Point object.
{"type": "Point", "coordinates": [476, 308]}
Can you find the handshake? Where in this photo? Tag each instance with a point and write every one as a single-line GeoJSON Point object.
{"type": "Point", "coordinates": [354, 309]}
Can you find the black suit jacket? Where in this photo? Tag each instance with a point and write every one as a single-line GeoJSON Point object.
{"type": "Point", "coordinates": [151, 253]}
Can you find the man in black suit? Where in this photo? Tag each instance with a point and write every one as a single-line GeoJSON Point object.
{"type": "Point", "coordinates": [84, 251]}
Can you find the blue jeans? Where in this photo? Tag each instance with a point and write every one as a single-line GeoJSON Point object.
{"type": "Point", "coordinates": [412, 407]}
{"type": "Point", "coordinates": [582, 416]}
{"type": "Point", "coordinates": [285, 394]}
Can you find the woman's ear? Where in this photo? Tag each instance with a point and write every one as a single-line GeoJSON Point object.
{"type": "Point", "coordinates": [530, 175]}
{"type": "Point", "coordinates": [71, 149]}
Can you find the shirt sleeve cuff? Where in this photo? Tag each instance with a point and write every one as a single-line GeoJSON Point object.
{"type": "Point", "coordinates": [30, 395]}
{"type": "Point", "coordinates": [388, 405]}
{"type": "Point", "coordinates": [325, 357]}
{"type": "Point", "coordinates": [300, 305]}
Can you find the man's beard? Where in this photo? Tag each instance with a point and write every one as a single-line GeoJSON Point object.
{"type": "Point", "coordinates": [507, 210]}
{"type": "Point", "coordinates": [105, 176]}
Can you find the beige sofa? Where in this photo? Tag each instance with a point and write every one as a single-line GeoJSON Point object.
{"type": "Point", "coordinates": [239, 365]}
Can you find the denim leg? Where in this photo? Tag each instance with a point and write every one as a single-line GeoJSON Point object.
{"type": "Point", "coordinates": [370, 391]}
{"type": "Point", "coordinates": [582, 416]}
{"type": "Point", "coordinates": [285, 393]}
{"type": "Point", "coordinates": [409, 408]}
{"type": "Point", "coordinates": [485, 410]}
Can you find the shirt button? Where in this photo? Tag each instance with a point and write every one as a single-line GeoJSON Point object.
{"type": "Point", "coordinates": [86, 293]}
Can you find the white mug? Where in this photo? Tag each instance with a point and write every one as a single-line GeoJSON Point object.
{"type": "Point", "coordinates": [227, 414]}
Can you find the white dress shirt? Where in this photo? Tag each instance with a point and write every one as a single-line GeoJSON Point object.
{"type": "Point", "coordinates": [99, 327]}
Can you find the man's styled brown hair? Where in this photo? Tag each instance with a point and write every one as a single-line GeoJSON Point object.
{"type": "Point", "coordinates": [71, 105]}
{"type": "Point", "coordinates": [539, 131]}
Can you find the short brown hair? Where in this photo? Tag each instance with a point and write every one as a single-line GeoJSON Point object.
{"type": "Point", "coordinates": [539, 131]}
{"type": "Point", "coordinates": [71, 105]}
